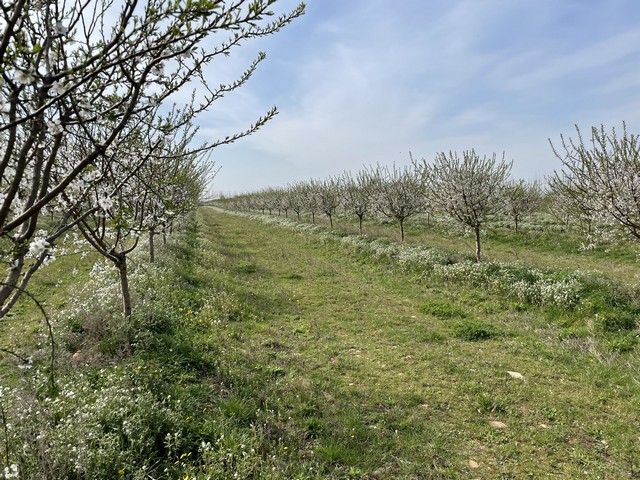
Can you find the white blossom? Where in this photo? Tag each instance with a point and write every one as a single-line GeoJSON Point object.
{"type": "Point", "coordinates": [11, 471]}
{"type": "Point", "coordinates": [25, 77]}
{"type": "Point", "coordinates": [60, 29]}
{"type": "Point", "coordinates": [105, 202]}
{"type": "Point", "coordinates": [55, 127]}
{"type": "Point", "coordinates": [37, 246]}
{"type": "Point", "coordinates": [58, 88]}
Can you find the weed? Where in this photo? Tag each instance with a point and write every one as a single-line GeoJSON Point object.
{"type": "Point", "coordinates": [474, 330]}
{"type": "Point", "coordinates": [247, 267]}
{"type": "Point", "coordinates": [616, 321]}
{"type": "Point", "coordinates": [442, 310]}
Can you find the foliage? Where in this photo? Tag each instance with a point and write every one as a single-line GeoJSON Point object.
{"type": "Point", "coordinates": [473, 330]}
{"type": "Point", "coordinates": [442, 310]}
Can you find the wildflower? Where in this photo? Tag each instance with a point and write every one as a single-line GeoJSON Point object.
{"type": "Point", "coordinates": [11, 471]}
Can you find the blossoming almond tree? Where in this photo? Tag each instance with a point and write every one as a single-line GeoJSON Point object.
{"type": "Point", "coordinates": [521, 198]}
{"type": "Point", "coordinates": [398, 193]}
{"type": "Point", "coordinates": [357, 194]}
{"type": "Point", "coordinates": [602, 176]}
{"type": "Point", "coordinates": [328, 192]}
{"type": "Point", "coordinates": [148, 178]}
{"type": "Point", "coordinates": [67, 66]}
{"type": "Point", "coordinates": [468, 189]}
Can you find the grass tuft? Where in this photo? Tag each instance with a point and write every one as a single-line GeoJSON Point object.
{"type": "Point", "coordinates": [474, 330]}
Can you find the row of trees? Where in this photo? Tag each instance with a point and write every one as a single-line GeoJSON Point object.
{"type": "Point", "coordinates": [467, 187]}
{"type": "Point", "coordinates": [598, 183]}
{"type": "Point", "coordinates": [87, 138]}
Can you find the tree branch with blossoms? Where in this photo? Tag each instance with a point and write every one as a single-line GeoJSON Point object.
{"type": "Point", "coordinates": [85, 74]}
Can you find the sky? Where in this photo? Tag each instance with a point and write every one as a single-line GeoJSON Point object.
{"type": "Point", "coordinates": [361, 82]}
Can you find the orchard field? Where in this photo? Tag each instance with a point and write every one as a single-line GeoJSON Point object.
{"type": "Point", "coordinates": [261, 347]}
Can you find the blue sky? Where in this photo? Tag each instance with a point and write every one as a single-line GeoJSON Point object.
{"type": "Point", "coordinates": [360, 82]}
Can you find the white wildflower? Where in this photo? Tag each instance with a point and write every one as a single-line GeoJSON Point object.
{"type": "Point", "coordinates": [11, 471]}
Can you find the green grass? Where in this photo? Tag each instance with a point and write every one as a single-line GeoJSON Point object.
{"type": "Point", "coordinates": [275, 354]}
{"type": "Point", "coordinates": [406, 376]}
{"type": "Point", "coordinates": [540, 243]}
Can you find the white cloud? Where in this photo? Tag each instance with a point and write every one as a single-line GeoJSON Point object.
{"type": "Point", "coordinates": [365, 82]}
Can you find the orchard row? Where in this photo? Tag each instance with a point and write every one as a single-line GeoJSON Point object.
{"type": "Point", "coordinates": [598, 183]}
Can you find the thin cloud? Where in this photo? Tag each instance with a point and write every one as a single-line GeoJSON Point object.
{"type": "Point", "coordinates": [360, 83]}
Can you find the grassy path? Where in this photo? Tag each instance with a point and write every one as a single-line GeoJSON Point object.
{"type": "Point", "coordinates": [377, 373]}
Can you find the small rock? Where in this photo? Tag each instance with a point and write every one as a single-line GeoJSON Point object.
{"type": "Point", "coordinates": [516, 375]}
{"type": "Point", "coordinates": [496, 424]}
{"type": "Point", "coordinates": [77, 357]}
{"type": "Point", "coordinates": [473, 464]}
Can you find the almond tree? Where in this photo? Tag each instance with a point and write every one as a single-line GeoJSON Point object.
{"type": "Point", "coordinates": [66, 67]}
{"type": "Point", "coordinates": [468, 189]}
{"type": "Point", "coordinates": [145, 180]}
{"type": "Point", "coordinates": [175, 176]}
{"type": "Point", "coordinates": [308, 194]}
{"type": "Point", "coordinates": [328, 193]}
{"type": "Point", "coordinates": [603, 175]}
{"type": "Point", "coordinates": [357, 194]}
{"type": "Point", "coordinates": [294, 198]}
{"type": "Point", "coordinates": [398, 193]}
{"type": "Point", "coordinates": [569, 205]}
{"type": "Point", "coordinates": [521, 198]}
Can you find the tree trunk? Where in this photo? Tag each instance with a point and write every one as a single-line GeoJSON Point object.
{"type": "Point", "coordinates": [152, 249]}
{"type": "Point", "coordinates": [402, 230]}
{"type": "Point", "coordinates": [331, 221]}
{"type": "Point", "coordinates": [124, 285]}
{"type": "Point", "coordinates": [516, 219]}
{"type": "Point", "coordinates": [360, 222]}
{"type": "Point", "coordinates": [13, 276]}
{"type": "Point", "coordinates": [313, 217]}
{"type": "Point", "coordinates": [477, 230]}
